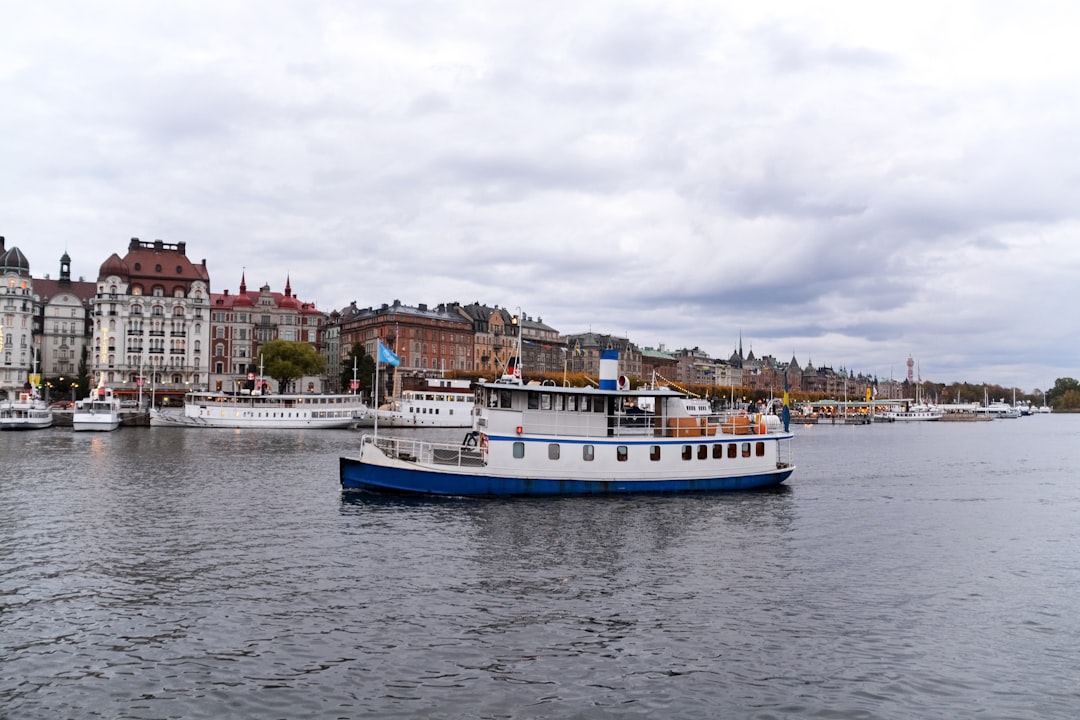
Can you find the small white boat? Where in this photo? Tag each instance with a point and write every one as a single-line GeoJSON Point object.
{"type": "Point", "coordinates": [999, 409]}
{"type": "Point", "coordinates": [100, 412]}
{"type": "Point", "coordinates": [440, 402]}
{"type": "Point", "coordinates": [258, 410]}
{"type": "Point", "coordinates": [918, 412]}
{"type": "Point", "coordinates": [28, 412]}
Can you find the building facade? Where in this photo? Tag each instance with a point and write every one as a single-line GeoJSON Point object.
{"type": "Point", "coordinates": [428, 341]}
{"type": "Point", "coordinates": [64, 314]}
{"type": "Point", "coordinates": [17, 317]}
{"type": "Point", "coordinates": [243, 322]}
{"type": "Point", "coordinates": [151, 322]}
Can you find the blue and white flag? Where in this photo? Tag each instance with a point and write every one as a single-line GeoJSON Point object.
{"type": "Point", "coordinates": [386, 355]}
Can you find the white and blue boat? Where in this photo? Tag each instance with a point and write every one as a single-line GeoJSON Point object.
{"type": "Point", "coordinates": [530, 439]}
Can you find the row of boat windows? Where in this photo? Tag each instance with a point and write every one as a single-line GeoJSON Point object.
{"type": "Point", "coordinates": [272, 400]}
{"type": "Point", "coordinates": [313, 415]}
{"type": "Point", "coordinates": [456, 397]}
{"type": "Point", "coordinates": [688, 452]}
{"type": "Point", "coordinates": [548, 401]}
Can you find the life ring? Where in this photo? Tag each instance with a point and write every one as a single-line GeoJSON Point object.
{"type": "Point", "coordinates": [760, 422]}
{"type": "Point", "coordinates": [483, 442]}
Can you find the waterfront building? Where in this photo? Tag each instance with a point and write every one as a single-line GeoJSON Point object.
{"type": "Point", "coordinates": [151, 323]}
{"type": "Point", "coordinates": [695, 367]}
{"type": "Point", "coordinates": [17, 317]}
{"type": "Point", "coordinates": [659, 362]}
{"type": "Point", "coordinates": [495, 341]}
{"type": "Point", "coordinates": [241, 323]}
{"type": "Point", "coordinates": [427, 341]}
{"type": "Point", "coordinates": [64, 314]}
{"type": "Point", "coordinates": [542, 350]}
{"type": "Point", "coordinates": [584, 350]}
{"type": "Point", "coordinates": [493, 338]}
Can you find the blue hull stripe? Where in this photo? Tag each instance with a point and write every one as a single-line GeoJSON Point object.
{"type": "Point", "coordinates": [360, 476]}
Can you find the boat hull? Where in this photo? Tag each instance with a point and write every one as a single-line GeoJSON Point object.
{"type": "Point", "coordinates": [374, 471]}
{"type": "Point", "coordinates": [19, 419]}
{"type": "Point", "coordinates": [33, 424]}
{"type": "Point", "coordinates": [96, 423]}
{"type": "Point", "coordinates": [159, 418]}
{"type": "Point", "coordinates": [356, 475]}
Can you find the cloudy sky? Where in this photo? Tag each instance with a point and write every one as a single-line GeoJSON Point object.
{"type": "Point", "coordinates": [850, 183]}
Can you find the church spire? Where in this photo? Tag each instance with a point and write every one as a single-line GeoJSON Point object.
{"type": "Point", "coordinates": [243, 282]}
{"type": "Point", "coordinates": [288, 286]}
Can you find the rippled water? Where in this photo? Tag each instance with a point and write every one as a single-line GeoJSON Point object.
{"type": "Point", "coordinates": [925, 571]}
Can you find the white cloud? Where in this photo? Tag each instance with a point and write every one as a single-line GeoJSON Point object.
{"type": "Point", "coordinates": [840, 181]}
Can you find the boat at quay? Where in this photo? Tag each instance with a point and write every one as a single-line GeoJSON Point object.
{"type": "Point", "coordinates": [550, 440]}
{"type": "Point", "coordinates": [98, 413]}
{"type": "Point", "coordinates": [28, 412]}
{"type": "Point", "coordinates": [439, 402]}
{"type": "Point", "coordinates": [261, 410]}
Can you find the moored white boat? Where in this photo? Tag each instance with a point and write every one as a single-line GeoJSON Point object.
{"type": "Point", "coordinates": [906, 412]}
{"type": "Point", "coordinates": [549, 440]}
{"type": "Point", "coordinates": [27, 412]}
{"type": "Point", "coordinates": [100, 412]}
{"type": "Point", "coordinates": [999, 409]}
{"type": "Point", "coordinates": [256, 410]}
{"type": "Point", "coordinates": [440, 402]}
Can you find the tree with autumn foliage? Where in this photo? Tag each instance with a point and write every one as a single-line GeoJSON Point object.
{"type": "Point", "coordinates": [287, 361]}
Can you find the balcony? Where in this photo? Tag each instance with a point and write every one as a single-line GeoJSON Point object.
{"type": "Point", "coordinates": [157, 333]}
{"type": "Point", "coordinates": [157, 351]}
{"type": "Point", "coordinates": [178, 334]}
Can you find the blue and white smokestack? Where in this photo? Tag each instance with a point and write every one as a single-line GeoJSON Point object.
{"type": "Point", "coordinates": [609, 369]}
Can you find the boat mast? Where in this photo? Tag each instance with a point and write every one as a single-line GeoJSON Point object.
{"type": "Point", "coordinates": [517, 367]}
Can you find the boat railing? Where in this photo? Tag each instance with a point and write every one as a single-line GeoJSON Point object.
{"type": "Point", "coordinates": [424, 451]}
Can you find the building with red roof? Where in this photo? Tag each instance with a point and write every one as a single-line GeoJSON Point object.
{"type": "Point", "coordinates": [241, 323]}
{"type": "Point", "coordinates": [150, 320]}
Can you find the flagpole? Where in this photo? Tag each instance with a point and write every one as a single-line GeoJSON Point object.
{"type": "Point", "coordinates": [375, 391]}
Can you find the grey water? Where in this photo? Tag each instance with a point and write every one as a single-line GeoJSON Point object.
{"type": "Point", "coordinates": [923, 570]}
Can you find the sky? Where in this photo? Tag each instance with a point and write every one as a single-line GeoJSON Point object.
{"type": "Point", "coordinates": [845, 183]}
